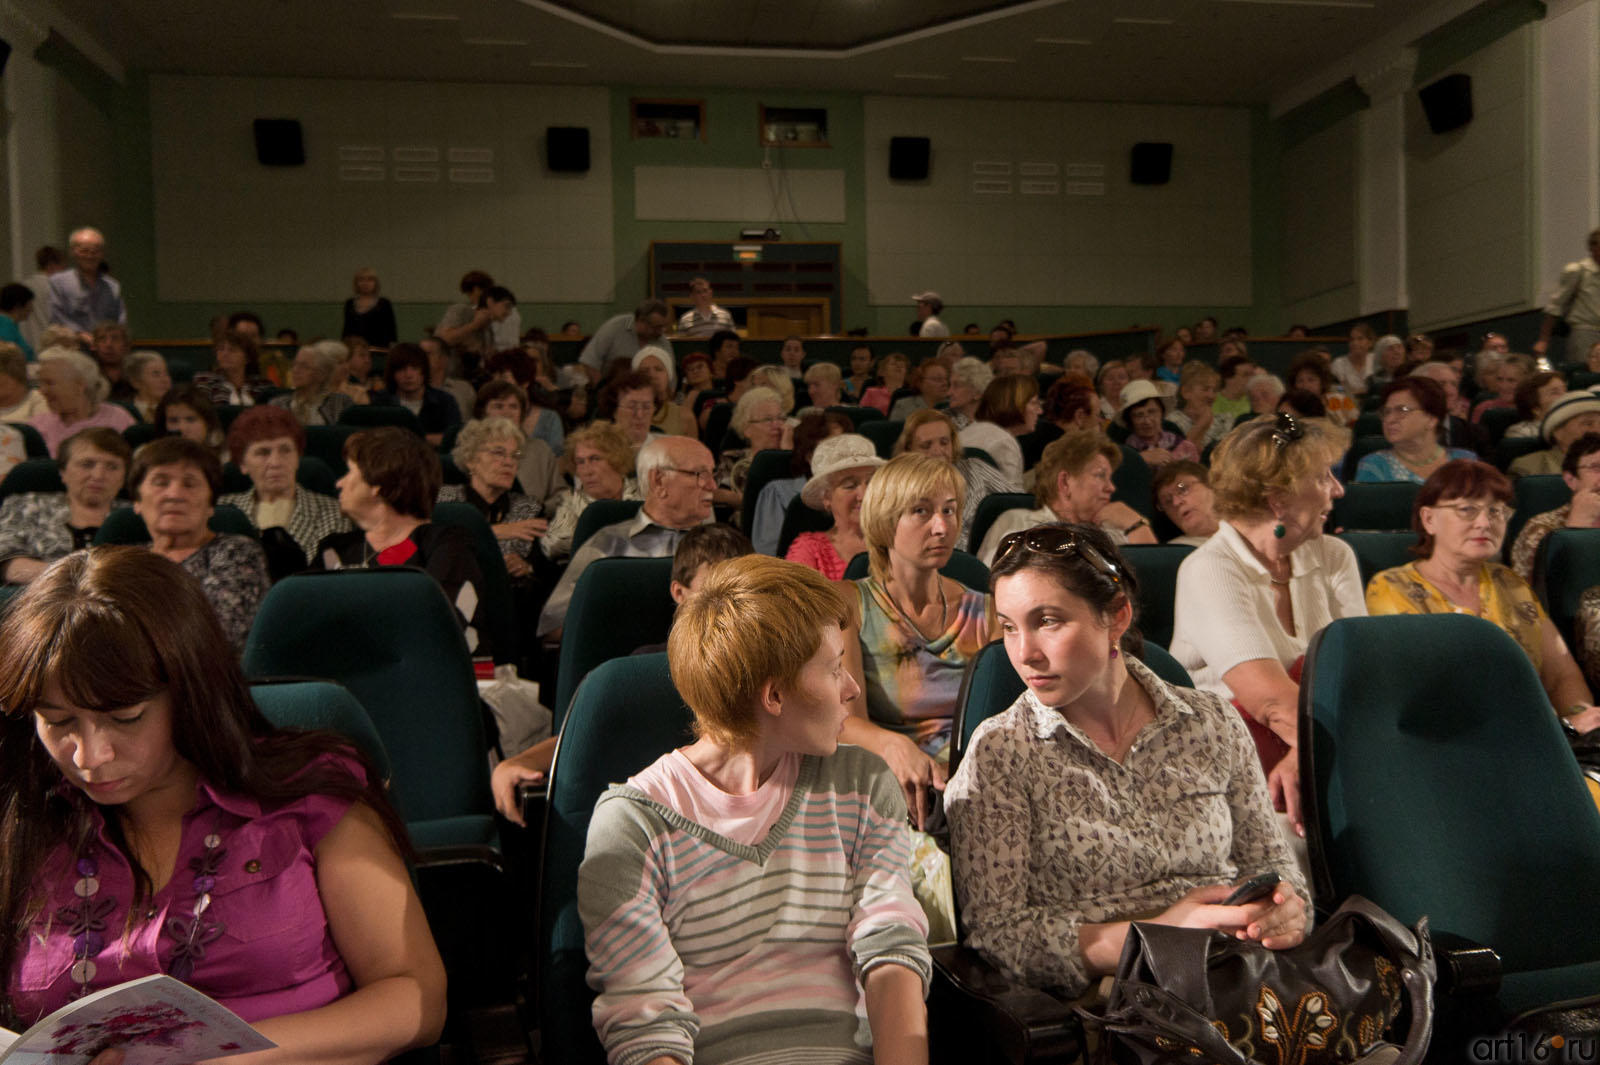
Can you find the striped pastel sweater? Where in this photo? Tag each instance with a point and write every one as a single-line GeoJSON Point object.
{"type": "Point", "coordinates": [712, 951]}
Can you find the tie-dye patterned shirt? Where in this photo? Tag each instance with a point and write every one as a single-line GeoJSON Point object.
{"type": "Point", "coordinates": [911, 683]}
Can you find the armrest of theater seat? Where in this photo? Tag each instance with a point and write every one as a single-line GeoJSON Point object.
{"type": "Point", "coordinates": [976, 1014]}
{"type": "Point", "coordinates": [1466, 967]}
{"type": "Point", "coordinates": [531, 797]}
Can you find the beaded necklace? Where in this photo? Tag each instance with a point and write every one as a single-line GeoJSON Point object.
{"type": "Point", "coordinates": [86, 917]}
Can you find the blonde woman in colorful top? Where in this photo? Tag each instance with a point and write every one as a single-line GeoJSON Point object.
{"type": "Point", "coordinates": [747, 898]}
{"type": "Point", "coordinates": [1460, 518]}
{"type": "Point", "coordinates": [917, 628]}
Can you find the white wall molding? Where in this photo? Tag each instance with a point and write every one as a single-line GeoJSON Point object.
{"type": "Point", "coordinates": [1567, 138]}
{"type": "Point", "coordinates": [1381, 184]}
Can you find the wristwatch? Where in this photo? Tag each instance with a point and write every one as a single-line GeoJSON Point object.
{"type": "Point", "coordinates": [1129, 530]}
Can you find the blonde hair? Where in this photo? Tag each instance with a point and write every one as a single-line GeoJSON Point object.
{"type": "Point", "coordinates": [745, 409]}
{"type": "Point", "coordinates": [1071, 454]}
{"type": "Point", "coordinates": [1251, 465]}
{"type": "Point", "coordinates": [478, 433]}
{"type": "Point", "coordinates": [777, 379]}
{"type": "Point", "coordinates": [927, 416]}
{"type": "Point", "coordinates": [893, 490]}
{"type": "Point", "coordinates": [604, 437]}
{"type": "Point", "coordinates": [754, 620]}
{"type": "Point", "coordinates": [823, 371]}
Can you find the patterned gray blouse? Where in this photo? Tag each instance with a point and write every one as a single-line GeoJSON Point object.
{"type": "Point", "coordinates": [1047, 832]}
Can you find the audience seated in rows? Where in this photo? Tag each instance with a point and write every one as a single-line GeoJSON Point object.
{"type": "Point", "coordinates": [766, 523]}
{"type": "Point", "coordinates": [1568, 418]}
{"type": "Point", "coordinates": [1580, 469]}
{"type": "Point", "coordinates": [841, 468]}
{"type": "Point", "coordinates": [75, 392]}
{"type": "Point", "coordinates": [933, 432]}
{"type": "Point", "coordinates": [600, 459]}
{"type": "Point", "coordinates": [268, 444]}
{"type": "Point", "coordinates": [1413, 412]}
{"type": "Point", "coordinates": [1142, 412]}
{"type": "Point", "coordinates": [488, 451]}
{"type": "Point", "coordinates": [315, 398]}
{"type": "Point", "coordinates": [1182, 491]}
{"type": "Point", "coordinates": [236, 381]}
{"type": "Point", "coordinates": [148, 380]}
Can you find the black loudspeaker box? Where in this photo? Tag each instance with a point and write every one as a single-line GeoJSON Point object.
{"type": "Point", "coordinates": [908, 158]}
{"type": "Point", "coordinates": [1150, 163]}
{"type": "Point", "coordinates": [1447, 102]}
{"type": "Point", "coordinates": [279, 142]}
{"type": "Point", "coordinates": [567, 148]}
{"type": "Point", "coordinates": [5, 53]}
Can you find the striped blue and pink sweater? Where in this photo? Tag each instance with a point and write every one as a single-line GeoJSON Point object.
{"type": "Point", "coordinates": [712, 951]}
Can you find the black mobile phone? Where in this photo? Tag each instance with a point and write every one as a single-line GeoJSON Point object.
{"type": "Point", "coordinates": [1252, 888]}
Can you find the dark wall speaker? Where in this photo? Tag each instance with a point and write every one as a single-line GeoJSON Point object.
{"type": "Point", "coordinates": [5, 53]}
{"type": "Point", "coordinates": [908, 158]}
{"type": "Point", "coordinates": [1447, 102]}
{"type": "Point", "coordinates": [1150, 163]}
{"type": "Point", "coordinates": [279, 142]}
{"type": "Point", "coordinates": [567, 148]}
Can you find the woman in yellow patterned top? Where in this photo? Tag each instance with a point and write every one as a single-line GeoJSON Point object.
{"type": "Point", "coordinates": [1460, 519]}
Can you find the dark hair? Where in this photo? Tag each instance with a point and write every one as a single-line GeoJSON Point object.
{"type": "Point", "coordinates": [493, 390]}
{"type": "Point", "coordinates": [264, 422]}
{"type": "Point", "coordinates": [1303, 401]}
{"type": "Point", "coordinates": [1229, 365]}
{"type": "Point", "coordinates": [400, 465]}
{"type": "Point", "coordinates": [611, 395]}
{"type": "Point", "coordinates": [1005, 400]}
{"type": "Point", "coordinates": [15, 295]}
{"type": "Point", "coordinates": [1526, 396]}
{"type": "Point", "coordinates": [811, 431]}
{"type": "Point", "coordinates": [1456, 479]}
{"type": "Point", "coordinates": [1172, 471]}
{"type": "Point", "coordinates": [522, 366]}
{"type": "Point", "coordinates": [739, 367]}
{"type": "Point", "coordinates": [1313, 362]}
{"type": "Point", "coordinates": [1580, 449]}
{"type": "Point", "coordinates": [167, 640]}
{"type": "Point", "coordinates": [246, 316]}
{"type": "Point", "coordinates": [498, 293]}
{"type": "Point", "coordinates": [651, 306]}
{"type": "Point", "coordinates": [1078, 576]}
{"type": "Point", "coordinates": [197, 401]}
{"type": "Point", "coordinates": [704, 545]}
{"type": "Point", "coordinates": [48, 256]}
{"type": "Point", "coordinates": [721, 337]}
{"type": "Point", "coordinates": [244, 342]}
{"type": "Point", "coordinates": [175, 450]}
{"type": "Point", "coordinates": [100, 438]}
{"type": "Point", "coordinates": [1428, 393]}
{"type": "Point", "coordinates": [402, 356]}
{"type": "Point", "coordinates": [475, 279]}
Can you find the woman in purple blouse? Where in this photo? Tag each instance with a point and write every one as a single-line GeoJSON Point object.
{"type": "Point", "coordinates": [155, 821]}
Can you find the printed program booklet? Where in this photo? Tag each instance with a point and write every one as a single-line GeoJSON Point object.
{"type": "Point", "coordinates": [154, 1021]}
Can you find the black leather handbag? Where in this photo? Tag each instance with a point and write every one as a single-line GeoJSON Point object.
{"type": "Point", "coordinates": [1193, 995]}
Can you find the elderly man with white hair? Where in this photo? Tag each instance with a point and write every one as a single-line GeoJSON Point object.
{"type": "Point", "coordinates": [83, 297]}
{"type": "Point", "coordinates": [678, 479]}
{"type": "Point", "coordinates": [74, 391]}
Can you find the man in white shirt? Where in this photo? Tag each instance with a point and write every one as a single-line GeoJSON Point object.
{"type": "Point", "coordinates": [1575, 301]}
{"type": "Point", "coordinates": [622, 337]}
{"type": "Point", "coordinates": [705, 317]}
{"type": "Point", "coordinates": [929, 307]}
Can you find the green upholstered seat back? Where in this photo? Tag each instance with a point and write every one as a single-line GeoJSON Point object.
{"type": "Point", "coordinates": [391, 637]}
{"type": "Point", "coordinates": [1381, 505]}
{"type": "Point", "coordinates": [1535, 495]}
{"type": "Point", "coordinates": [32, 475]}
{"type": "Point", "coordinates": [1156, 567]}
{"type": "Point", "coordinates": [1567, 565]}
{"type": "Point", "coordinates": [618, 605]}
{"type": "Point", "coordinates": [370, 415]}
{"type": "Point", "coordinates": [990, 507]}
{"type": "Point", "coordinates": [1438, 782]}
{"type": "Point", "coordinates": [883, 433]}
{"type": "Point", "coordinates": [625, 716]}
{"type": "Point", "coordinates": [322, 704]}
{"type": "Point", "coordinates": [1132, 479]}
{"type": "Point", "coordinates": [765, 467]}
{"type": "Point", "coordinates": [1378, 551]}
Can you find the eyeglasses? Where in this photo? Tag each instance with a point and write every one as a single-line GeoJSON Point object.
{"type": "Point", "coordinates": [637, 408]}
{"type": "Point", "coordinates": [1286, 429]}
{"type": "Point", "coordinates": [1499, 513]}
{"type": "Point", "coordinates": [502, 454]}
{"type": "Point", "coordinates": [699, 475]}
{"type": "Point", "coordinates": [1058, 540]}
{"type": "Point", "coordinates": [1179, 491]}
{"type": "Point", "coordinates": [1397, 412]}
{"type": "Point", "coordinates": [1589, 467]}
{"type": "Point", "coordinates": [776, 419]}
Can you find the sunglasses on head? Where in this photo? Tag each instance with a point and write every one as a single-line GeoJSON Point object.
{"type": "Point", "coordinates": [1055, 540]}
{"type": "Point", "coordinates": [1286, 429]}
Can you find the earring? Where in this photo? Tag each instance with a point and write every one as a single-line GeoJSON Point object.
{"type": "Point", "coordinates": [1279, 531]}
{"type": "Point", "coordinates": [1115, 652]}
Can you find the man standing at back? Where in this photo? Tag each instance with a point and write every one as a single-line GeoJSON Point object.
{"type": "Point", "coordinates": [82, 297]}
{"type": "Point", "coordinates": [677, 477]}
{"type": "Point", "coordinates": [705, 317]}
{"type": "Point", "coordinates": [929, 307]}
{"type": "Point", "coordinates": [1575, 301]}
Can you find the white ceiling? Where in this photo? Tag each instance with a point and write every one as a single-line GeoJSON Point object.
{"type": "Point", "coordinates": [1175, 51]}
